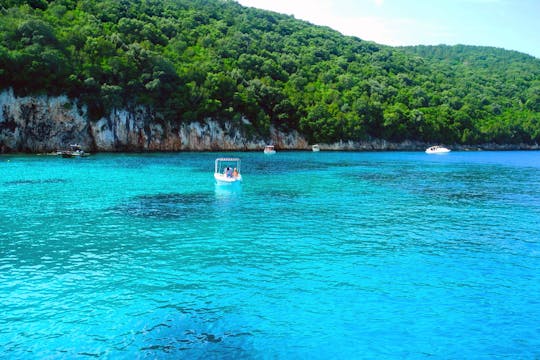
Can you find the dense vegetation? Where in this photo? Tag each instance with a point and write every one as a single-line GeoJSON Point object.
{"type": "Point", "coordinates": [193, 59]}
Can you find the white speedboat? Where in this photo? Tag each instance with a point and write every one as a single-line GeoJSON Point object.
{"type": "Point", "coordinates": [315, 148]}
{"type": "Point", "coordinates": [437, 150]}
{"type": "Point", "coordinates": [227, 171]}
{"type": "Point", "coordinates": [269, 150]}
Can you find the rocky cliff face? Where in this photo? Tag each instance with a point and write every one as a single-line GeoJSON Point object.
{"type": "Point", "coordinates": [45, 124]}
{"type": "Point", "coordinates": [39, 124]}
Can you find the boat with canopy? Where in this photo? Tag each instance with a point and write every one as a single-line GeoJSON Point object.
{"type": "Point", "coordinates": [227, 171]}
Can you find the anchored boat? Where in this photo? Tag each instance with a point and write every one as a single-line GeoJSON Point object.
{"type": "Point", "coordinates": [437, 150]}
{"type": "Point", "coordinates": [269, 150]}
{"type": "Point", "coordinates": [227, 171]}
{"type": "Point", "coordinates": [74, 150]}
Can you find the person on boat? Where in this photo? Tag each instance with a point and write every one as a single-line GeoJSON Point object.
{"type": "Point", "coordinates": [235, 173]}
{"type": "Point", "coordinates": [229, 172]}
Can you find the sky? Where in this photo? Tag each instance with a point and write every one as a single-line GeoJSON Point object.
{"type": "Point", "coordinates": [508, 24]}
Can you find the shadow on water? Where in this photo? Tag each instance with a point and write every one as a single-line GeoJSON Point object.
{"type": "Point", "coordinates": [277, 195]}
{"type": "Point", "coordinates": [178, 205]}
{"type": "Point", "coordinates": [458, 185]}
{"type": "Point", "coordinates": [166, 206]}
{"type": "Point", "coordinates": [36, 182]}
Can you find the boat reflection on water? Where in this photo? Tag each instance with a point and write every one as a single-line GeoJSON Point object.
{"type": "Point", "coordinates": [225, 194]}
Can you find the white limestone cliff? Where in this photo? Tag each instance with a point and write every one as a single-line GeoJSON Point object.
{"type": "Point", "coordinates": [44, 124]}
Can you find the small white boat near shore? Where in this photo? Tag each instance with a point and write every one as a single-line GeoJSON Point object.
{"type": "Point", "coordinates": [269, 150]}
{"type": "Point", "coordinates": [315, 148]}
{"type": "Point", "coordinates": [227, 171]}
{"type": "Point", "coordinates": [437, 149]}
{"type": "Point", "coordinates": [74, 151]}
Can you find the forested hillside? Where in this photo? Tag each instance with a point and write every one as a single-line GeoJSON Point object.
{"type": "Point", "coordinates": [194, 59]}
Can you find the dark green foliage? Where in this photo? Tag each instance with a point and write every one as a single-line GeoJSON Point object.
{"type": "Point", "coordinates": [194, 59]}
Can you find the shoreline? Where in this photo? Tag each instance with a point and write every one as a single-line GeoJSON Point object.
{"type": "Point", "coordinates": [47, 125]}
{"type": "Point", "coordinates": [331, 149]}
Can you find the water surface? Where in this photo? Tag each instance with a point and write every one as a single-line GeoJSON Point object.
{"type": "Point", "coordinates": [318, 255]}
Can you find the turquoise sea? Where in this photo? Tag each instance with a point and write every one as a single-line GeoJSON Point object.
{"type": "Point", "coordinates": [330, 255]}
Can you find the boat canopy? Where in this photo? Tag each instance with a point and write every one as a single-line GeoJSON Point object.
{"type": "Point", "coordinates": [222, 163]}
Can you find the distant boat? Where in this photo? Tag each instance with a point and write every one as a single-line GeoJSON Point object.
{"type": "Point", "coordinates": [437, 149]}
{"type": "Point", "coordinates": [74, 150]}
{"type": "Point", "coordinates": [315, 148]}
{"type": "Point", "coordinates": [227, 171]}
{"type": "Point", "coordinates": [269, 150]}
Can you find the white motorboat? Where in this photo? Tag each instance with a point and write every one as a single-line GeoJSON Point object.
{"type": "Point", "coordinates": [269, 150]}
{"type": "Point", "coordinates": [227, 171]}
{"type": "Point", "coordinates": [74, 150]}
{"type": "Point", "coordinates": [437, 149]}
{"type": "Point", "coordinates": [315, 148]}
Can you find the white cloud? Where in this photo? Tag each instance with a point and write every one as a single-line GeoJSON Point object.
{"type": "Point", "coordinates": [388, 31]}
{"type": "Point", "coordinates": [393, 31]}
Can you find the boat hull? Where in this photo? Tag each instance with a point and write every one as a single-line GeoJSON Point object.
{"type": "Point", "coordinates": [225, 180]}
{"type": "Point", "coordinates": [437, 150]}
{"type": "Point", "coordinates": [72, 154]}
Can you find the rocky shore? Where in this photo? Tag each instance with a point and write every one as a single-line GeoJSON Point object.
{"type": "Point", "coordinates": [41, 124]}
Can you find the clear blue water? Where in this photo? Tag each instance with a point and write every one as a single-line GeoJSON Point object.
{"type": "Point", "coordinates": [317, 256]}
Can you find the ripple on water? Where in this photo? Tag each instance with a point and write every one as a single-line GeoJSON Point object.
{"type": "Point", "coordinates": [195, 335]}
{"type": "Point", "coordinates": [331, 255]}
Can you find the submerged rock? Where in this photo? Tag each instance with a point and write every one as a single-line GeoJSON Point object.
{"type": "Point", "coordinates": [165, 206]}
